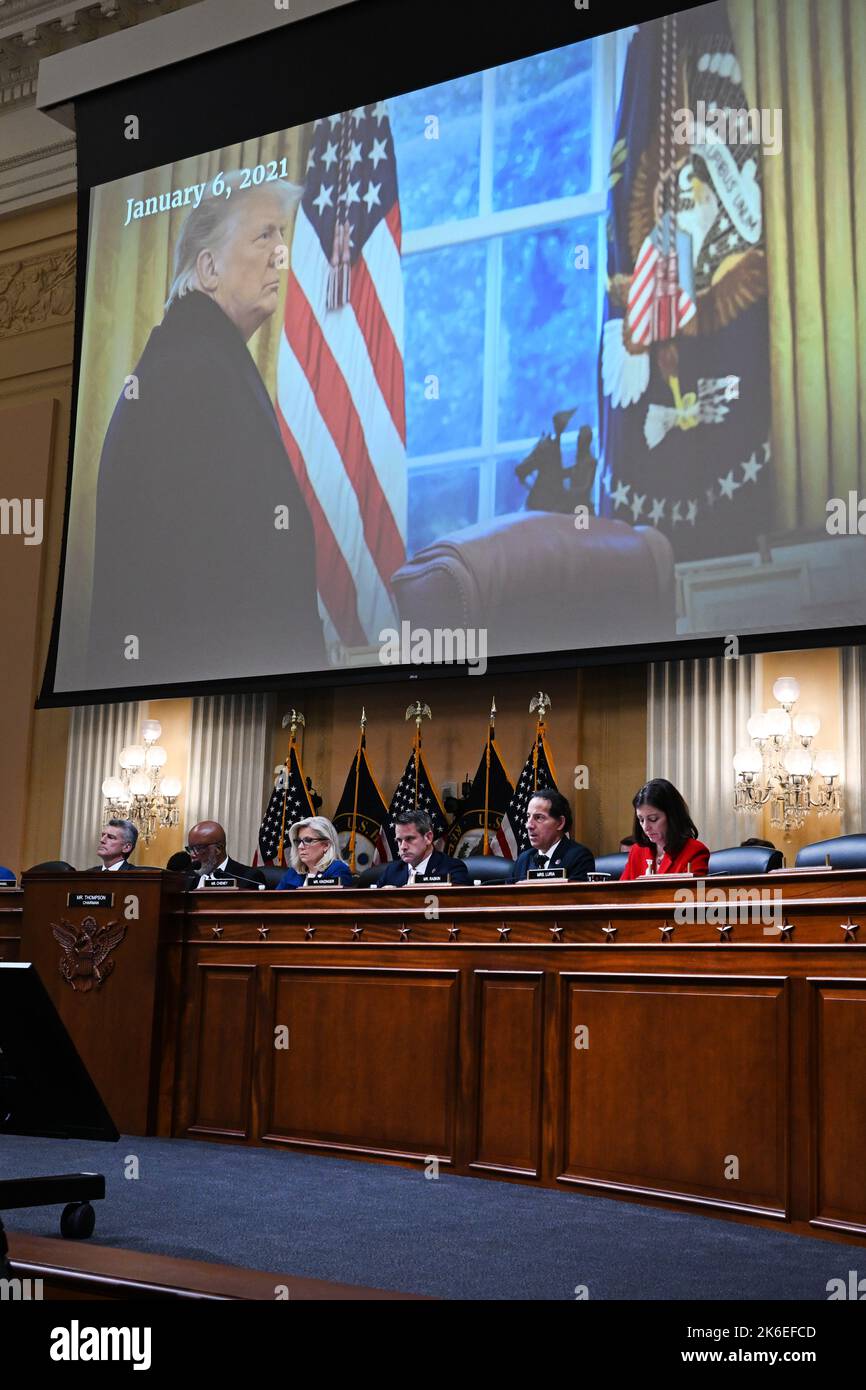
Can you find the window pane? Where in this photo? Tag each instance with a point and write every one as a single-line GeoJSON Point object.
{"type": "Point", "coordinates": [548, 339]}
{"type": "Point", "coordinates": [444, 294]}
{"type": "Point", "coordinates": [441, 500]}
{"type": "Point", "coordinates": [511, 494]}
{"type": "Point", "coordinates": [543, 139]}
{"type": "Point", "coordinates": [438, 178]}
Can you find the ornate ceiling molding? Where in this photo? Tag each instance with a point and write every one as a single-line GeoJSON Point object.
{"type": "Point", "coordinates": [31, 30]}
{"type": "Point", "coordinates": [35, 166]}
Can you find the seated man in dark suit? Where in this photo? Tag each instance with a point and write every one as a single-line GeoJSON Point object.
{"type": "Point", "coordinates": [207, 849]}
{"type": "Point", "coordinates": [418, 859]}
{"type": "Point", "coordinates": [548, 821]}
{"type": "Point", "coordinates": [116, 843]}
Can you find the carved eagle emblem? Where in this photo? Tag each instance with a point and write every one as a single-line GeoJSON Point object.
{"type": "Point", "coordinates": [86, 949]}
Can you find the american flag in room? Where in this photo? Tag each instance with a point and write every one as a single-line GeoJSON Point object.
{"type": "Point", "coordinates": [340, 383]}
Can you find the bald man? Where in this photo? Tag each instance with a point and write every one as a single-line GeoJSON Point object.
{"type": "Point", "coordinates": [207, 849]}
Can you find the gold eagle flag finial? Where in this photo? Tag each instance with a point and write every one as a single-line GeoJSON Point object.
{"type": "Point", "coordinates": [418, 711]}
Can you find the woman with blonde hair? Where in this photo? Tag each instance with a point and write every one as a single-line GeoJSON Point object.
{"type": "Point", "coordinates": [314, 852]}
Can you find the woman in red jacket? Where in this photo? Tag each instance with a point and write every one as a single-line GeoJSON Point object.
{"type": "Point", "coordinates": [666, 838]}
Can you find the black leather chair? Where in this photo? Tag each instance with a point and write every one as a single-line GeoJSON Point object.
{"type": "Point", "coordinates": [368, 876]}
{"type": "Point", "coordinates": [745, 859]}
{"type": "Point", "coordinates": [612, 864]}
{"type": "Point", "coordinates": [53, 866]}
{"type": "Point", "coordinates": [489, 868]}
{"type": "Point", "coordinates": [845, 851]}
{"type": "Point", "coordinates": [271, 873]}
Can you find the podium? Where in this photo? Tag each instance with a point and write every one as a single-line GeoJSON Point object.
{"type": "Point", "coordinates": [107, 947]}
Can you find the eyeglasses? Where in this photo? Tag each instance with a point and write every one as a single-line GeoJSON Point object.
{"type": "Point", "coordinates": [314, 840]}
{"type": "Point", "coordinates": [195, 850]}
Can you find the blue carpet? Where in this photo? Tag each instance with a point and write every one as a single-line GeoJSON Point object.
{"type": "Point", "coordinates": [392, 1228]}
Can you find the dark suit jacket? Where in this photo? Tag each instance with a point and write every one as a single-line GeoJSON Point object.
{"type": "Point", "coordinates": [97, 868]}
{"type": "Point", "coordinates": [190, 474]}
{"type": "Point", "coordinates": [395, 874]}
{"type": "Point", "coordinates": [574, 857]}
{"type": "Point", "coordinates": [232, 870]}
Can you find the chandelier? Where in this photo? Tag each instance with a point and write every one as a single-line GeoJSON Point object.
{"type": "Point", "coordinates": [781, 766]}
{"type": "Point", "coordinates": [141, 794]}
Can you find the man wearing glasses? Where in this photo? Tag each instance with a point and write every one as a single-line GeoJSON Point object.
{"type": "Point", "coordinates": [210, 859]}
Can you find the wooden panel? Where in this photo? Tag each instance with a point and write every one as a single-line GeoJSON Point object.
{"type": "Point", "coordinates": [371, 1063]}
{"type": "Point", "coordinates": [225, 1019]}
{"type": "Point", "coordinates": [682, 1081]}
{"type": "Point", "coordinates": [113, 1025]}
{"type": "Point", "coordinates": [508, 1048]}
{"type": "Point", "coordinates": [839, 1111]}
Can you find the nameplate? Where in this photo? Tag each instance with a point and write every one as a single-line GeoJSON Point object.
{"type": "Point", "coordinates": [321, 881]}
{"type": "Point", "coordinates": [220, 883]}
{"type": "Point", "coordinates": [545, 873]}
{"type": "Point", "coordinates": [90, 900]}
{"type": "Point", "coordinates": [432, 878]}
{"type": "Point", "coordinates": [7, 883]}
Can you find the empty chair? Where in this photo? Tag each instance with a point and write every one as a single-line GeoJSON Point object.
{"type": "Point", "coordinates": [745, 859]}
{"type": "Point", "coordinates": [53, 866]}
{"type": "Point", "coordinates": [271, 873]}
{"type": "Point", "coordinates": [488, 868]}
{"type": "Point", "coordinates": [845, 851]}
{"type": "Point", "coordinates": [612, 864]}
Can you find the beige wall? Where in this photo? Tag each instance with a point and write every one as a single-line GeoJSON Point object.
{"type": "Point", "coordinates": [36, 314]}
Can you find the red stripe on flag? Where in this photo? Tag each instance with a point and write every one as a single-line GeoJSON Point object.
{"type": "Point", "coordinates": [333, 578]}
{"type": "Point", "coordinates": [340, 416]}
{"type": "Point", "coordinates": [385, 355]}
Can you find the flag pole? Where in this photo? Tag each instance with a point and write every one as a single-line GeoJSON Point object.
{"type": "Point", "coordinates": [357, 780]}
{"type": "Point", "coordinates": [490, 730]}
{"type": "Point", "coordinates": [540, 702]}
{"type": "Point", "coordinates": [418, 712]}
{"type": "Point", "coordinates": [293, 718]}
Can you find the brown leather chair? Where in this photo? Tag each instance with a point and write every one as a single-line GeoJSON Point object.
{"type": "Point", "coordinates": [536, 582]}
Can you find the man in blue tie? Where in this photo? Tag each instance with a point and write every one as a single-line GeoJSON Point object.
{"type": "Point", "coordinates": [417, 857]}
{"type": "Point", "coordinates": [548, 821]}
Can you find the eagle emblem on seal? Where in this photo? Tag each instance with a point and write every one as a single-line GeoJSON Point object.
{"type": "Point", "coordinates": [85, 961]}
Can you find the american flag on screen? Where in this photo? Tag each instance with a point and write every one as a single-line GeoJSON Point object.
{"type": "Point", "coordinates": [290, 801]}
{"type": "Point", "coordinates": [537, 772]}
{"type": "Point", "coordinates": [416, 794]}
{"type": "Point", "coordinates": [340, 388]}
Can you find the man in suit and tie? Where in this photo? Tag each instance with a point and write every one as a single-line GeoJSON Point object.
{"type": "Point", "coordinates": [548, 821]}
{"type": "Point", "coordinates": [116, 843]}
{"type": "Point", "coordinates": [210, 859]}
{"type": "Point", "coordinates": [417, 857]}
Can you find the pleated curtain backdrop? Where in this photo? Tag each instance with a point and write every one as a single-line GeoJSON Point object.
{"type": "Point", "coordinates": [96, 735]}
{"type": "Point", "coordinates": [853, 737]}
{"type": "Point", "coordinates": [696, 721]}
{"type": "Point", "coordinates": [229, 767]}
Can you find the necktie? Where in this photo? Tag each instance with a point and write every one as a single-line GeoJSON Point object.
{"type": "Point", "coordinates": [411, 878]}
{"type": "Point", "coordinates": [542, 860]}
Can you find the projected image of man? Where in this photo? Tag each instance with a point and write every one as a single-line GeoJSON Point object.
{"type": "Point", "coordinates": [205, 561]}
